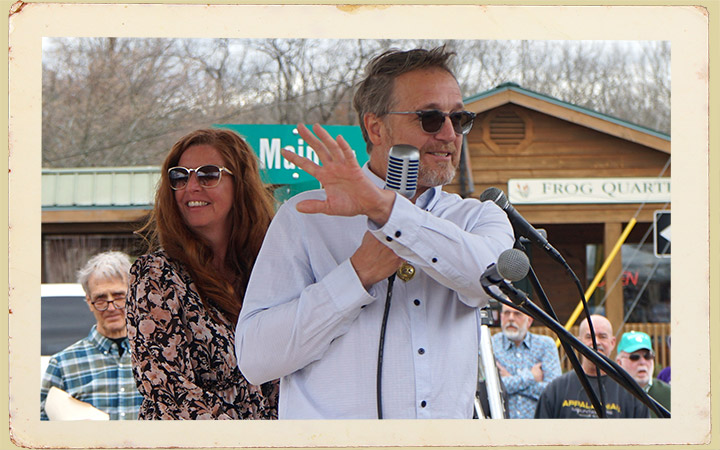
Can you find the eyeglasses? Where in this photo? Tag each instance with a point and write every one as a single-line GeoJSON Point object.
{"type": "Point", "coordinates": [102, 305]}
{"type": "Point", "coordinates": [432, 120]}
{"type": "Point", "coordinates": [208, 176]}
{"type": "Point", "coordinates": [649, 356]}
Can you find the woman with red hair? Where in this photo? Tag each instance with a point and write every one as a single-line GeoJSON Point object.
{"type": "Point", "coordinates": [210, 217]}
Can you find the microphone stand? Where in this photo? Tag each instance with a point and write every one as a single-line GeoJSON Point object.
{"type": "Point", "coordinates": [557, 257]}
{"type": "Point", "coordinates": [574, 362]}
{"type": "Point", "coordinates": [611, 368]}
{"type": "Point", "coordinates": [490, 371]}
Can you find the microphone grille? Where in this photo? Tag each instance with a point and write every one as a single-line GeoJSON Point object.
{"type": "Point", "coordinates": [402, 170]}
{"type": "Point", "coordinates": [495, 195]}
{"type": "Point", "coordinates": [513, 264]}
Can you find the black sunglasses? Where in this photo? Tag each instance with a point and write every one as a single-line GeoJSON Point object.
{"type": "Point", "coordinates": [649, 356]}
{"type": "Point", "coordinates": [432, 120]}
{"type": "Point", "coordinates": [208, 176]}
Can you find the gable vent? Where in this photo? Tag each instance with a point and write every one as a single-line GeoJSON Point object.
{"type": "Point", "coordinates": [507, 129]}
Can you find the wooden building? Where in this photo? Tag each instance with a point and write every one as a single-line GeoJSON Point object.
{"type": "Point", "coordinates": [520, 134]}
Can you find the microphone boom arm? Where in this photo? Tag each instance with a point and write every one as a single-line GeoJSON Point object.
{"type": "Point", "coordinates": [610, 367]}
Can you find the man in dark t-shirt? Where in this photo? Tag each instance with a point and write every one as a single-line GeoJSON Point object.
{"type": "Point", "coordinates": [565, 397]}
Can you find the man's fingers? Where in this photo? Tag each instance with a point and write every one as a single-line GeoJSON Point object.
{"type": "Point", "coordinates": [346, 149]}
{"type": "Point", "coordinates": [303, 163]}
{"type": "Point", "coordinates": [311, 206]}
{"type": "Point", "coordinates": [316, 144]}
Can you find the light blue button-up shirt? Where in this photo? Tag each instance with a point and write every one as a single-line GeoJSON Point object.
{"type": "Point", "coordinates": [522, 388]}
{"type": "Point", "coordinates": [307, 319]}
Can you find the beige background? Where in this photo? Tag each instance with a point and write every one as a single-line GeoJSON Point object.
{"type": "Point", "coordinates": [685, 27]}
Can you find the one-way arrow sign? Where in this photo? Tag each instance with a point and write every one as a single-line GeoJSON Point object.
{"type": "Point", "coordinates": [662, 234]}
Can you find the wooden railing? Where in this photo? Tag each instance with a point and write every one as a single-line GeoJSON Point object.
{"type": "Point", "coordinates": [658, 332]}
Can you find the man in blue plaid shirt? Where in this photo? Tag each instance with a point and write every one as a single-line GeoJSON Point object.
{"type": "Point", "coordinates": [97, 369]}
{"type": "Point", "coordinates": [527, 362]}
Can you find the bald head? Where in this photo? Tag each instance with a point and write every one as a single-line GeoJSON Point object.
{"type": "Point", "coordinates": [603, 335]}
{"type": "Point", "coordinates": [598, 322]}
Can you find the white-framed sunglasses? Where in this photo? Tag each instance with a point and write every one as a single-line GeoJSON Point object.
{"type": "Point", "coordinates": [208, 176]}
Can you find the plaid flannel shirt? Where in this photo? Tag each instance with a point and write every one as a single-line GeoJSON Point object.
{"type": "Point", "coordinates": [92, 371]}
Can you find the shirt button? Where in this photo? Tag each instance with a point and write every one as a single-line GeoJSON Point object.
{"type": "Point", "coordinates": [421, 351]}
{"type": "Point", "coordinates": [398, 234]}
{"type": "Point", "coordinates": [423, 403]}
{"type": "Point", "coordinates": [122, 389]}
{"type": "Point", "coordinates": [388, 238]}
{"type": "Point", "coordinates": [417, 302]}
{"type": "Point", "coordinates": [434, 260]}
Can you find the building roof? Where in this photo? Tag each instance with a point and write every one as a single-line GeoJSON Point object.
{"type": "Point", "coordinates": [99, 187]}
{"type": "Point", "coordinates": [514, 93]}
{"type": "Point", "coordinates": [134, 187]}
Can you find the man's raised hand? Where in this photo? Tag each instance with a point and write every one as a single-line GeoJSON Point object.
{"type": "Point", "coordinates": [348, 191]}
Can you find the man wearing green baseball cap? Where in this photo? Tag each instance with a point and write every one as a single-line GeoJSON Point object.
{"type": "Point", "coordinates": [635, 354]}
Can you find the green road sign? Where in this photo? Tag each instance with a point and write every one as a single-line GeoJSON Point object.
{"type": "Point", "coordinates": [267, 140]}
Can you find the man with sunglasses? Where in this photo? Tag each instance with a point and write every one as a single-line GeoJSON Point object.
{"type": "Point", "coordinates": [314, 307]}
{"type": "Point", "coordinates": [635, 355]}
{"type": "Point", "coordinates": [97, 369]}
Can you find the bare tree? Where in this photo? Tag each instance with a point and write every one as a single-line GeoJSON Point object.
{"type": "Point", "coordinates": [112, 101]}
{"type": "Point", "coordinates": [107, 100]}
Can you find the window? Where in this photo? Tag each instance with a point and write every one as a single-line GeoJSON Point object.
{"type": "Point", "coordinates": [645, 282]}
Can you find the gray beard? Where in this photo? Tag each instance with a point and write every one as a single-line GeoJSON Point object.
{"type": "Point", "coordinates": [439, 177]}
{"type": "Point", "coordinates": [514, 335]}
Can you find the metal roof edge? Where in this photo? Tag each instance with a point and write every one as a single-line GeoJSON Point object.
{"type": "Point", "coordinates": [143, 206]}
{"type": "Point", "coordinates": [120, 169]}
{"type": "Point", "coordinates": [511, 86]}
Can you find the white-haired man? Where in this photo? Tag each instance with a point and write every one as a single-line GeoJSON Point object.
{"type": "Point", "coordinates": [97, 369]}
{"type": "Point", "coordinates": [527, 362]}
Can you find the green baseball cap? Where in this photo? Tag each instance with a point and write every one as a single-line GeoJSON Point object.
{"type": "Point", "coordinates": [633, 341]}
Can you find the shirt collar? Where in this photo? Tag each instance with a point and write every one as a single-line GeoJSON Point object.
{"type": "Point", "coordinates": [104, 344]}
{"type": "Point", "coordinates": [509, 343]}
{"type": "Point", "coordinates": [649, 385]}
{"type": "Point", "coordinates": [425, 201]}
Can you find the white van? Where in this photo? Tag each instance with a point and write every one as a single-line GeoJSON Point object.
{"type": "Point", "coordinates": [64, 318]}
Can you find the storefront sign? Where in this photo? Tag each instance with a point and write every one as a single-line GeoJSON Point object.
{"type": "Point", "coordinates": [588, 190]}
{"type": "Point", "coordinates": [267, 140]}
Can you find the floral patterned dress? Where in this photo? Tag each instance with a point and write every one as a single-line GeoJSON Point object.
{"type": "Point", "coordinates": [183, 359]}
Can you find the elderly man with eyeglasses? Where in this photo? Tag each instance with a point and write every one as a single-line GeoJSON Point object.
{"type": "Point", "coordinates": [97, 369]}
{"type": "Point", "coordinates": [635, 355]}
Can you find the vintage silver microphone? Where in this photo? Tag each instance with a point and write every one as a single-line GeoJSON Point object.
{"type": "Point", "coordinates": [401, 177]}
{"type": "Point", "coordinates": [402, 170]}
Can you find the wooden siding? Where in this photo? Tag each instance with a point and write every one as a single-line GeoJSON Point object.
{"type": "Point", "coordinates": [555, 148]}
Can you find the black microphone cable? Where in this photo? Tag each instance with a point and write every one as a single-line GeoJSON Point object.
{"type": "Point", "coordinates": [381, 345]}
